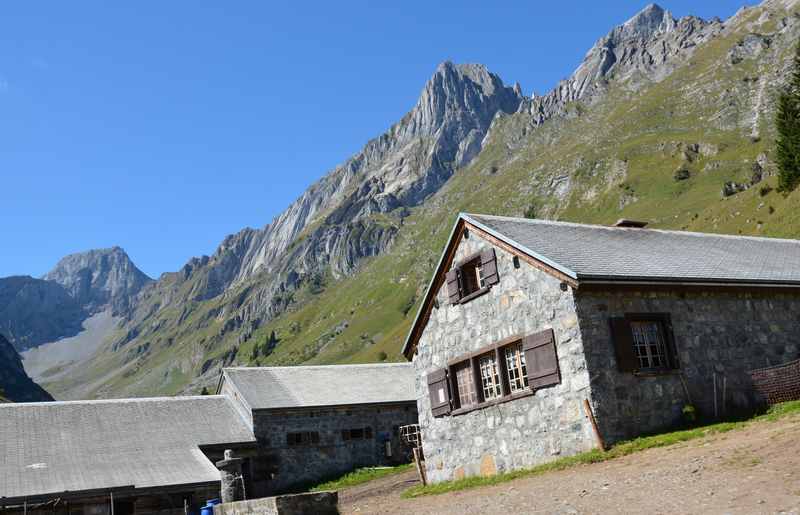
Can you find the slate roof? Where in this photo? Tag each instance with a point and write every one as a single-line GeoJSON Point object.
{"type": "Point", "coordinates": [48, 448]}
{"type": "Point", "coordinates": [602, 254]}
{"type": "Point", "coordinates": [322, 385]}
{"type": "Point", "coordinates": [596, 252]}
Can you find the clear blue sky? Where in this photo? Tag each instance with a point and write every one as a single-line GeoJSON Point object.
{"type": "Point", "coordinates": [164, 126]}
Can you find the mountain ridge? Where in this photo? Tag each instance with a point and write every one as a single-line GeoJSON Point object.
{"type": "Point", "coordinates": [348, 259]}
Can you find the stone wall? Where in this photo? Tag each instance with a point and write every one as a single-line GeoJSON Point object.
{"type": "Point", "coordinates": [716, 333]}
{"type": "Point", "coordinates": [318, 503]}
{"type": "Point", "coordinates": [518, 433]}
{"type": "Point", "coordinates": [280, 467]}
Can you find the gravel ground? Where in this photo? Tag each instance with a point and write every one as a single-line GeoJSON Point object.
{"type": "Point", "coordinates": [749, 471]}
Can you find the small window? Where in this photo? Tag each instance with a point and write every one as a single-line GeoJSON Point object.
{"type": "Point", "coordinates": [359, 433]}
{"type": "Point", "coordinates": [515, 366]}
{"type": "Point", "coordinates": [643, 342]}
{"type": "Point", "coordinates": [302, 438]}
{"type": "Point", "coordinates": [472, 277]}
{"type": "Point", "coordinates": [490, 377]}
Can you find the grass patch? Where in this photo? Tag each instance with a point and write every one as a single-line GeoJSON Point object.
{"type": "Point", "coordinates": [359, 476]}
{"type": "Point", "coordinates": [596, 456]}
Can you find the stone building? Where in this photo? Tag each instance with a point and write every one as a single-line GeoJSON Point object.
{"type": "Point", "coordinates": [286, 426]}
{"type": "Point", "coordinates": [317, 422]}
{"type": "Point", "coordinates": [138, 456]}
{"type": "Point", "coordinates": [529, 327]}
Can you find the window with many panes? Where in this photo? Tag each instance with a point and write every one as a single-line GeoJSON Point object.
{"type": "Point", "coordinates": [649, 344]}
{"type": "Point", "coordinates": [515, 367]}
{"type": "Point", "coordinates": [467, 395]}
{"type": "Point", "coordinates": [644, 342]}
{"type": "Point", "coordinates": [500, 372]}
{"type": "Point", "coordinates": [490, 377]}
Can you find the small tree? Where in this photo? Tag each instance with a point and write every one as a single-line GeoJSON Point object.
{"type": "Point", "coordinates": [204, 391]}
{"type": "Point", "coordinates": [787, 123]}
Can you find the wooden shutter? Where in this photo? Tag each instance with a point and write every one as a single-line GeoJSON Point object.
{"type": "Point", "coordinates": [541, 359]}
{"type": "Point", "coordinates": [623, 344]}
{"type": "Point", "coordinates": [439, 390]}
{"type": "Point", "coordinates": [453, 286]}
{"type": "Point", "coordinates": [489, 264]}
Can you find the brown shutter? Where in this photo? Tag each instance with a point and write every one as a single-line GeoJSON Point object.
{"type": "Point", "coordinates": [623, 345]}
{"type": "Point", "coordinates": [453, 288]}
{"type": "Point", "coordinates": [489, 264]}
{"type": "Point", "coordinates": [439, 391]}
{"type": "Point", "coordinates": [541, 359]}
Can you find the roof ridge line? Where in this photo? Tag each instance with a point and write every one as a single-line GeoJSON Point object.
{"type": "Point", "coordinates": [342, 365]}
{"type": "Point", "coordinates": [540, 221]}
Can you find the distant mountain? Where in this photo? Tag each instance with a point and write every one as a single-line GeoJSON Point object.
{"type": "Point", "coordinates": [667, 120]}
{"type": "Point", "coordinates": [15, 385]}
{"type": "Point", "coordinates": [99, 278]}
{"type": "Point", "coordinates": [35, 311]}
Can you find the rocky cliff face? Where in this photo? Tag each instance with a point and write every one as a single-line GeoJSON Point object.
{"type": "Point", "coordinates": [34, 311]}
{"type": "Point", "coordinates": [397, 170]}
{"type": "Point", "coordinates": [15, 385]}
{"type": "Point", "coordinates": [99, 278]}
{"type": "Point", "coordinates": [352, 213]}
{"type": "Point", "coordinates": [644, 49]}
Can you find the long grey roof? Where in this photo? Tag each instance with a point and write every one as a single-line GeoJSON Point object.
{"type": "Point", "coordinates": [595, 252]}
{"type": "Point", "coordinates": [48, 448]}
{"type": "Point", "coordinates": [322, 385]}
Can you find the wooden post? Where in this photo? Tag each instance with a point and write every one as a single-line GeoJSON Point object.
{"type": "Point", "coordinates": [420, 466]}
{"type": "Point", "coordinates": [716, 411]}
{"type": "Point", "coordinates": [724, 395]}
{"type": "Point", "coordinates": [588, 409]}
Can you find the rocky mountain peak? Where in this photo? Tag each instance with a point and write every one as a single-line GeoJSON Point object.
{"type": "Point", "coordinates": [646, 48]}
{"type": "Point", "coordinates": [99, 278]}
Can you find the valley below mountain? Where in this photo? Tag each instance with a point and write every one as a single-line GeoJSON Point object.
{"type": "Point", "coordinates": [665, 120]}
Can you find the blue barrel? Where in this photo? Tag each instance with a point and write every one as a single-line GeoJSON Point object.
{"type": "Point", "coordinates": [208, 509]}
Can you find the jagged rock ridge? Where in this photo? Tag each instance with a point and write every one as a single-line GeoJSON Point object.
{"type": "Point", "coordinates": [645, 48]}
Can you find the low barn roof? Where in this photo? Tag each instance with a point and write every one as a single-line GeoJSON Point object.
{"type": "Point", "coordinates": [50, 448]}
{"type": "Point", "coordinates": [582, 254]}
{"type": "Point", "coordinates": [322, 385]}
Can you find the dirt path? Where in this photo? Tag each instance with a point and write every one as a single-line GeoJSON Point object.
{"type": "Point", "coordinates": [755, 470]}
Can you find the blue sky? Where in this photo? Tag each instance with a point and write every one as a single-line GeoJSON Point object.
{"type": "Point", "coordinates": [164, 126]}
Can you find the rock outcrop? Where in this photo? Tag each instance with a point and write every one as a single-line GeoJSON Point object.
{"type": "Point", "coordinates": [99, 278]}
{"type": "Point", "coordinates": [15, 385]}
{"type": "Point", "coordinates": [645, 48]}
